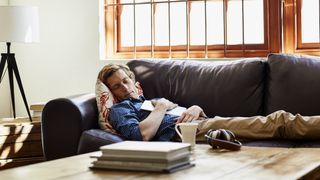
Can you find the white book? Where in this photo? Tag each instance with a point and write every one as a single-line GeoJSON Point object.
{"type": "Point", "coordinates": [37, 106]}
{"type": "Point", "coordinates": [147, 105]}
{"type": "Point", "coordinates": [146, 150]}
{"type": "Point", "coordinates": [142, 165]}
{"type": "Point", "coordinates": [36, 113]}
{"type": "Point", "coordinates": [111, 157]}
{"type": "Point", "coordinates": [98, 165]}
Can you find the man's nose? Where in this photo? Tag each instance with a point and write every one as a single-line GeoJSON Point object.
{"type": "Point", "coordinates": [124, 87]}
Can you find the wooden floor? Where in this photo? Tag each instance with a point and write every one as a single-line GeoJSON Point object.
{"type": "Point", "coordinates": [248, 163]}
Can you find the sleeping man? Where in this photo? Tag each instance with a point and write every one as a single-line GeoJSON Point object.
{"type": "Point", "coordinates": [135, 124]}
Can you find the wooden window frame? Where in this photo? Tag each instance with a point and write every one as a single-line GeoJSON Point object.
{"type": "Point", "coordinates": [272, 40]}
{"type": "Point", "coordinates": [292, 31]}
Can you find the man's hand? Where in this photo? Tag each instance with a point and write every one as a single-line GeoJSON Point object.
{"type": "Point", "coordinates": [164, 103]}
{"type": "Point", "coordinates": [192, 113]}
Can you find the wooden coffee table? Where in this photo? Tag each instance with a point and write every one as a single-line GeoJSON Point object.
{"type": "Point", "coordinates": [248, 163]}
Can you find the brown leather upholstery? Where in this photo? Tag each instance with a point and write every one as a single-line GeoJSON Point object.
{"type": "Point", "coordinates": [293, 84]}
{"type": "Point", "coordinates": [224, 88]}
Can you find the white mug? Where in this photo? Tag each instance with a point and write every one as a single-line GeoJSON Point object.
{"type": "Point", "coordinates": [188, 132]}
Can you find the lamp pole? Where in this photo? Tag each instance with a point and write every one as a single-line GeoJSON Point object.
{"type": "Point", "coordinates": [13, 69]}
{"type": "Point", "coordinates": [8, 47]}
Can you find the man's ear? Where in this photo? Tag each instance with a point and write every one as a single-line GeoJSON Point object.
{"type": "Point", "coordinates": [139, 88]}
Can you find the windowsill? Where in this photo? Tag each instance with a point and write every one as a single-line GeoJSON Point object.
{"type": "Point", "coordinates": [190, 59]}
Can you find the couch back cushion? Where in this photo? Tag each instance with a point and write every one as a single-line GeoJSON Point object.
{"type": "Point", "coordinates": [224, 88]}
{"type": "Point", "coordinates": [293, 84]}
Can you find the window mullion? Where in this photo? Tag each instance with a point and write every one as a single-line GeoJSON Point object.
{"type": "Point", "coordinates": [205, 29]}
{"type": "Point", "coordinates": [242, 14]}
{"type": "Point", "coordinates": [188, 27]}
{"type": "Point", "coordinates": [225, 6]}
{"type": "Point", "coordinates": [134, 30]}
{"type": "Point", "coordinates": [152, 27]}
{"type": "Point", "coordinates": [289, 26]}
{"type": "Point", "coordinates": [169, 28]}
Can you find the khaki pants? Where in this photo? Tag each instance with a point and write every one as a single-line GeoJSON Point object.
{"type": "Point", "coordinates": [279, 124]}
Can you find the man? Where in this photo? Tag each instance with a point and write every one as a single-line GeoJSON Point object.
{"type": "Point", "coordinates": [135, 124]}
{"type": "Point", "coordinates": [126, 116]}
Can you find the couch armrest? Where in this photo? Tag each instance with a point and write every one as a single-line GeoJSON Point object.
{"type": "Point", "coordinates": [92, 139]}
{"type": "Point", "coordinates": [63, 121]}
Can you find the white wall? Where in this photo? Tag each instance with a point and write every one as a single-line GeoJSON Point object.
{"type": "Point", "coordinates": [4, 93]}
{"type": "Point", "coordinates": [65, 62]}
{"type": "Point", "coordinates": [4, 86]}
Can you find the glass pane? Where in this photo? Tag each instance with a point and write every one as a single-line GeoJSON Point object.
{"type": "Point", "coordinates": [161, 25]}
{"type": "Point", "coordinates": [178, 23]}
{"type": "Point", "coordinates": [253, 22]}
{"type": "Point", "coordinates": [234, 22]}
{"type": "Point", "coordinates": [215, 22]}
{"type": "Point", "coordinates": [310, 21]}
{"type": "Point", "coordinates": [126, 26]}
{"type": "Point", "coordinates": [143, 25]}
{"type": "Point", "coordinates": [197, 24]}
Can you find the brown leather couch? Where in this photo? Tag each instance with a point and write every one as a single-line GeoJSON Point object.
{"type": "Point", "coordinates": [244, 87]}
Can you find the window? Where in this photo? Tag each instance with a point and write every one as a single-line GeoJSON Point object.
{"type": "Point", "coordinates": [210, 28]}
{"type": "Point", "coordinates": [302, 27]}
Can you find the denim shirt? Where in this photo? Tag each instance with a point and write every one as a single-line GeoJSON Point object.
{"type": "Point", "coordinates": [126, 116]}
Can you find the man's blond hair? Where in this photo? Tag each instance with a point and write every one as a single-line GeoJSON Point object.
{"type": "Point", "coordinates": [109, 69]}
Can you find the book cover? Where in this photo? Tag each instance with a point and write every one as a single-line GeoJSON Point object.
{"type": "Point", "coordinates": [150, 168]}
{"type": "Point", "coordinates": [142, 165]}
{"type": "Point", "coordinates": [37, 106]}
{"type": "Point", "coordinates": [143, 149]}
{"type": "Point", "coordinates": [147, 105]}
{"type": "Point", "coordinates": [36, 113]}
{"type": "Point", "coordinates": [178, 157]}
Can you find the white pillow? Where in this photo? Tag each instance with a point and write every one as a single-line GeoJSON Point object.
{"type": "Point", "coordinates": [105, 100]}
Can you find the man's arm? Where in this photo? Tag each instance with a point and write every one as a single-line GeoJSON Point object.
{"type": "Point", "coordinates": [150, 125]}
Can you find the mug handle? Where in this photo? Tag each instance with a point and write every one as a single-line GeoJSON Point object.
{"type": "Point", "coordinates": [176, 128]}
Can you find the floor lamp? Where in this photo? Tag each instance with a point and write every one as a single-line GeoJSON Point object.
{"type": "Point", "coordinates": [17, 24]}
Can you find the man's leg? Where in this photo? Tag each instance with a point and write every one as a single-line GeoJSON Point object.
{"type": "Point", "coordinates": [301, 127]}
{"type": "Point", "coordinates": [279, 124]}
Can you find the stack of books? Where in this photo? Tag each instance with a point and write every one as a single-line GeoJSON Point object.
{"type": "Point", "coordinates": [37, 108]}
{"type": "Point", "coordinates": [144, 156]}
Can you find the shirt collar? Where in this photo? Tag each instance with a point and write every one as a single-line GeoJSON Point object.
{"type": "Point", "coordinates": [140, 98]}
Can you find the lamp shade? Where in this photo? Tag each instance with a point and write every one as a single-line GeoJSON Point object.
{"type": "Point", "coordinates": [19, 24]}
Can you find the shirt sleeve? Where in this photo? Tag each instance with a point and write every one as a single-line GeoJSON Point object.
{"type": "Point", "coordinates": [124, 120]}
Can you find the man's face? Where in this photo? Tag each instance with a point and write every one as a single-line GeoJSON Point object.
{"type": "Point", "coordinates": [121, 86]}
